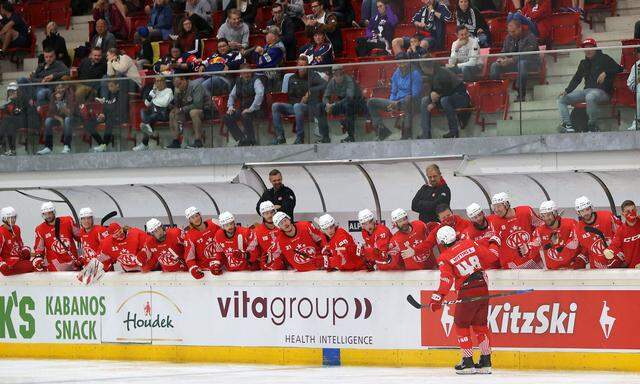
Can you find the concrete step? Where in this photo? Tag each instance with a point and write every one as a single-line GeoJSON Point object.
{"type": "Point", "coordinates": [30, 64]}
{"type": "Point", "coordinates": [75, 20]}
{"type": "Point", "coordinates": [612, 36]}
{"type": "Point", "coordinates": [621, 23]}
{"type": "Point", "coordinates": [12, 76]}
{"type": "Point", "coordinates": [548, 126]}
{"type": "Point", "coordinates": [78, 34]}
{"type": "Point", "coordinates": [547, 91]}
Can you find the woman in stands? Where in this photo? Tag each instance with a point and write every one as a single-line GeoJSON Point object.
{"type": "Point", "coordinates": [379, 31]}
{"type": "Point", "coordinates": [471, 18]}
{"type": "Point", "coordinates": [188, 38]}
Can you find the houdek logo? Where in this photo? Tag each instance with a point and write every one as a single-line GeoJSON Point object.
{"type": "Point", "coordinates": [140, 315]}
{"type": "Point", "coordinates": [279, 309]}
{"type": "Point", "coordinates": [606, 321]}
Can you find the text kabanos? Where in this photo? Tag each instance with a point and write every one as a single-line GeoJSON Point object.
{"type": "Point", "coordinates": [548, 318]}
{"type": "Point", "coordinates": [77, 315]}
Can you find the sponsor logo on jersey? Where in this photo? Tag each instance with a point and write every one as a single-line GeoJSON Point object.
{"type": "Point", "coordinates": [517, 238]}
{"type": "Point", "coordinates": [631, 238]}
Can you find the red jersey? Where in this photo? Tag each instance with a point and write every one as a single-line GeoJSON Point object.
{"type": "Point", "coordinates": [12, 248]}
{"type": "Point", "coordinates": [592, 245]}
{"type": "Point", "coordinates": [515, 234]}
{"type": "Point", "coordinates": [460, 261]}
{"type": "Point", "coordinates": [459, 224]}
{"type": "Point", "coordinates": [626, 243]}
{"type": "Point", "coordinates": [201, 245]}
{"type": "Point", "coordinates": [303, 251]}
{"type": "Point", "coordinates": [486, 237]}
{"type": "Point", "coordinates": [61, 252]}
{"type": "Point", "coordinates": [169, 253]}
{"type": "Point", "coordinates": [344, 252]}
{"type": "Point", "coordinates": [376, 247]}
{"type": "Point", "coordinates": [416, 239]}
{"type": "Point", "coordinates": [563, 255]}
{"type": "Point", "coordinates": [90, 242]}
{"type": "Point", "coordinates": [238, 252]}
{"type": "Point", "coordinates": [127, 252]}
{"type": "Point", "coordinates": [269, 254]}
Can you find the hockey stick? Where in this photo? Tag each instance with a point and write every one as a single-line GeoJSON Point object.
{"type": "Point", "coordinates": [596, 232]}
{"type": "Point", "coordinates": [418, 305]}
{"type": "Point", "coordinates": [107, 217]}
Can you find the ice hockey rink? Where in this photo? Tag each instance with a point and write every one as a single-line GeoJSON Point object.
{"type": "Point", "coordinates": [67, 371]}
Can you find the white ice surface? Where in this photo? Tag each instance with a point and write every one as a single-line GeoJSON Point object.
{"type": "Point", "coordinates": [65, 372]}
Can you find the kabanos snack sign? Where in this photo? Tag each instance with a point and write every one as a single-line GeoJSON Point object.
{"type": "Point", "coordinates": [594, 319]}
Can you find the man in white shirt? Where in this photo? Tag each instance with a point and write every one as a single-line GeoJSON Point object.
{"type": "Point", "coordinates": [465, 55]}
{"type": "Point", "coordinates": [632, 83]}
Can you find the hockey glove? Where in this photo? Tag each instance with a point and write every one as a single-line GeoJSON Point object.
{"type": "Point", "coordinates": [408, 253]}
{"type": "Point", "coordinates": [216, 268]}
{"type": "Point", "coordinates": [196, 272]}
{"type": "Point", "coordinates": [25, 253]}
{"type": "Point", "coordinates": [436, 302]}
{"type": "Point", "coordinates": [38, 264]}
{"type": "Point", "coordinates": [4, 268]}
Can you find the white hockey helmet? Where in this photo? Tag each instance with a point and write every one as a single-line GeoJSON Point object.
{"type": "Point", "coordinates": [226, 218]}
{"type": "Point", "coordinates": [190, 212]}
{"type": "Point", "coordinates": [583, 202]}
{"type": "Point", "coordinates": [398, 214]}
{"type": "Point", "coordinates": [548, 206]}
{"type": "Point", "coordinates": [47, 207]}
{"type": "Point", "coordinates": [266, 206]}
{"type": "Point", "coordinates": [473, 210]}
{"type": "Point", "coordinates": [153, 224]}
{"type": "Point", "coordinates": [85, 212]}
{"type": "Point", "coordinates": [13, 86]}
{"type": "Point", "coordinates": [326, 221]}
{"type": "Point", "coordinates": [278, 217]}
{"type": "Point", "coordinates": [500, 198]}
{"type": "Point", "coordinates": [7, 212]}
{"type": "Point", "coordinates": [446, 235]}
{"type": "Point", "coordinates": [365, 216]}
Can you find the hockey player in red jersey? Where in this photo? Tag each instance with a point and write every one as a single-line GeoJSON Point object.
{"type": "Point", "coordinates": [514, 226]}
{"type": "Point", "coordinates": [481, 231]}
{"type": "Point", "coordinates": [269, 254]}
{"type": "Point", "coordinates": [90, 235]}
{"type": "Point", "coordinates": [235, 247]}
{"type": "Point", "coordinates": [376, 238]}
{"type": "Point", "coordinates": [463, 262]}
{"type": "Point", "coordinates": [200, 243]}
{"type": "Point", "coordinates": [15, 257]}
{"type": "Point", "coordinates": [164, 248]}
{"type": "Point", "coordinates": [448, 218]}
{"type": "Point", "coordinates": [409, 246]}
{"type": "Point", "coordinates": [595, 231]}
{"type": "Point", "coordinates": [626, 242]}
{"type": "Point", "coordinates": [300, 243]}
{"type": "Point", "coordinates": [122, 249]}
{"type": "Point", "coordinates": [556, 240]}
{"type": "Point", "coordinates": [341, 251]}
{"type": "Point", "coordinates": [56, 240]}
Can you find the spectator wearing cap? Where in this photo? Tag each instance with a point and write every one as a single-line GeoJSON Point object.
{"type": "Point", "coordinates": [465, 55]}
{"type": "Point", "coordinates": [632, 84]}
{"type": "Point", "coordinates": [379, 31]}
{"type": "Point", "coordinates": [103, 39]}
{"type": "Point", "coordinates": [432, 194]}
{"type": "Point", "coordinates": [282, 197]}
{"type": "Point", "coordinates": [234, 31]}
{"type": "Point", "coordinates": [271, 55]}
{"type": "Point", "coordinates": [14, 116]}
{"type": "Point", "coordinates": [406, 87]}
{"type": "Point", "coordinates": [113, 14]}
{"type": "Point", "coordinates": [343, 97]}
{"type": "Point", "coordinates": [598, 71]}
{"type": "Point", "coordinates": [471, 17]}
{"type": "Point", "coordinates": [430, 20]}
{"type": "Point", "coordinates": [287, 29]}
{"type": "Point", "coordinates": [144, 57]}
{"type": "Point", "coordinates": [14, 32]}
{"type": "Point", "coordinates": [249, 93]}
{"type": "Point", "coordinates": [327, 22]}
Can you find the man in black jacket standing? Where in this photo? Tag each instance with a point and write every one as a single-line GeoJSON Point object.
{"type": "Point", "coordinates": [280, 195]}
{"type": "Point", "coordinates": [431, 195]}
{"type": "Point", "coordinates": [598, 71]}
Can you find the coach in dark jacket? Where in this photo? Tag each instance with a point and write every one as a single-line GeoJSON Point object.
{"type": "Point", "coordinates": [431, 195]}
{"type": "Point", "coordinates": [280, 195]}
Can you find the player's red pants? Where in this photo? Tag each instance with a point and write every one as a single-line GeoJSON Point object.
{"type": "Point", "coordinates": [21, 266]}
{"type": "Point", "coordinates": [473, 315]}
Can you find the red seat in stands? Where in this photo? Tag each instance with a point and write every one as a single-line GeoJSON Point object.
{"type": "Point", "coordinates": [488, 97]}
{"type": "Point", "coordinates": [209, 46]}
{"type": "Point", "coordinates": [498, 29]}
{"type": "Point", "coordinates": [263, 15]}
{"type": "Point", "coordinates": [36, 13]}
{"type": "Point", "coordinates": [133, 22]}
{"type": "Point", "coordinates": [277, 97]}
{"type": "Point", "coordinates": [349, 36]}
{"type": "Point", "coordinates": [565, 29]}
{"type": "Point", "coordinates": [404, 30]}
{"type": "Point", "coordinates": [60, 12]}
{"type": "Point", "coordinates": [629, 54]}
{"type": "Point", "coordinates": [220, 102]}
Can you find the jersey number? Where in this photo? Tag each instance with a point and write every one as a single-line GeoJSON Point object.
{"type": "Point", "coordinates": [467, 267]}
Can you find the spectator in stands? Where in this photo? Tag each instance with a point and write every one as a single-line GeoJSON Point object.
{"type": "Point", "coordinates": [431, 18]}
{"type": "Point", "coordinates": [517, 40]}
{"type": "Point", "coordinates": [282, 197]}
{"type": "Point", "coordinates": [343, 97]}
{"type": "Point", "coordinates": [234, 31]}
{"type": "Point", "coordinates": [319, 51]}
{"type": "Point", "coordinates": [248, 92]}
{"type": "Point", "coordinates": [448, 93]}
{"type": "Point", "coordinates": [472, 18]}
{"type": "Point", "coordinates": [50, 70]}
{"type": "Point", "coordinates": [103, 39]}
{"type": "Point", "coordinates": [287, 29]}
{"type": "Point", "coordinates": [190, 100]}
{"type": "Point", "coordinates": [160, 20]}
{"type": "Point", "coordinates": [248, 10]}
{"type": "Point", "coordinates": [432, 194]}
{"type": "Point", "coordinates": [157, 104]}
{"type": "Point", "coordinates": [114, 113]}
{"type": "Point", "coordinates": [62, 112]}
{"type": "Point", "coordinates": [270, 56]}
{"type": "Point", "coordinates": [379, 31]}
{"type": "Point", "coordinates": [415, 51]}
{"type": "Point", "coordinates": [188, 37]}
{"type": "Point", "coordinates": [368, 10]}
{"type": "Point", "coordinates": [484, 5]}
{"type": "Point", "coordinates": [636, 33]}
{"type": "Point", "coordinates": [343, 10]}
{"type": "Point", "coordinates": [144, 57]}
{"type": "Point", "coordinates": [14, 32]}
{"type": "Point", "coordinates": [121, 65]}
{"type": "Point", "coordinates": [465, 55]}
{"type": "Point", "coordinates": [176, 62]}
{"type": "Point", "coordinates": [533, 15]}
{"type": "Point", "coordinates": [632, 84]}
{"type": "Point", "coordinates": [294, 9]}
{"type": "Point", "coordinates": [327, 22]}
{"type": "Point", "coordinates": [598, 71]}
{"type": "Point", "coordinates": [406, 87]}
{"type": "Point", "coordinates": [93, 67]}
{"type": "Point", "coordinates": [304, 91]}
{"type": "Point", "coordinates": [133, 6]}
{"type": "Point", "coordinates": [113, 15]}
{"type": "Point", "coordinates": [223, 60]}
{"type": "Point", "coordinates": [57, 42]}
{"type": "Point", "coordinates": [14, 116]}
{"type": "Point", "coordinates": [199, 13]}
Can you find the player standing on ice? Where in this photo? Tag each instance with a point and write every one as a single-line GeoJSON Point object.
{"type": "Point", "coordinates": [595, 231]}
{"type": "Point", "coordinates": [376, 238]}
{"type": "Point", "coordinates": [164, 247]}
{"type": "Point", "coordinates": [341, 251]}
{"type": "Point", "coordinates": [90, 235]}
{"type": "Point", "coordinates": [626, 242]}
{"type": "Point", "coordinates": [409, 246]}
{"type": "Point", "coordinates": [300, 243]}
{"type": "Point", "coordinates": [481, 230]}
{"type": "Point", "coordinates": [56, 240]}
{"type": "Point", "coordinates": [556, 240]}
{"type": "Point", "coordinates": [267, 236]}
{"type": "Point", "coordinates": [235, 247]}
{"type": "Point", "coordinates": [200, 243]}
{"type": "Point", "coordinates": [15, 257]}
{"type": "Point", "coordinates": [463, 262]}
